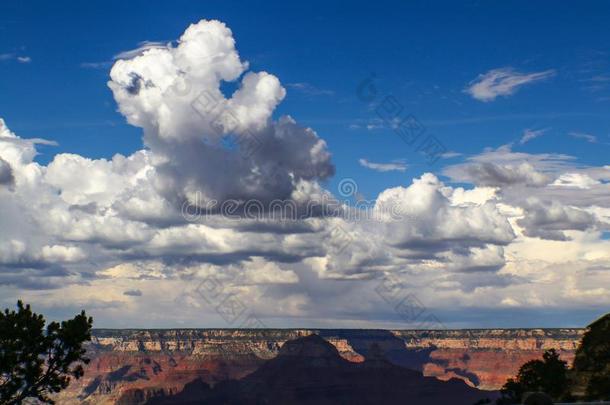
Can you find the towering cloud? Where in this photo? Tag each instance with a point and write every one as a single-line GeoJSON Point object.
{"type": "Point", "coordinates": [174, 94]}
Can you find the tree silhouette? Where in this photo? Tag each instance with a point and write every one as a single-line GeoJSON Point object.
{"type": "Point", "coordinates": [589, 377]}
{"type": "Point", "coordinates": [592, 359]}
{"type": "Point", "coordinates": [548, 375]}
{"type": "Point", "coordinates": [36, 362]}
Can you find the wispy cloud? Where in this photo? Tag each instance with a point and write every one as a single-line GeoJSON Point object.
{"type": "Point", "coordinates": [450, 154]}
{"type": "Point", "coordinates": [310, 89]}
{"type": "Point", "coordinates": [96, 65]}
{"type": "Point", "coordinates": [371, 124]}
{"type": "Point", "coordinates": [30, 141]}
{"type": "Point", "coordinates": [142, 47]}
{"type": "Point", "coordinates": [530, 134]}
{"type": "Point", "coordinates": [502, 82]}
{"type": "Point", "coordinates": [12, 56]}
{"type": "Point", "coordinates": [395, 165]}
{"type": "Point", "coordinates": [600, 79]}
{"type": "Point", "coordinates": [581, 135]}
{"type": "Point", "coordinates": [596, 83]}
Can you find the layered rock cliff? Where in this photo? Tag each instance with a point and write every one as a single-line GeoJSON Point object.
{"type": "Point", "coordinates": [310, 371]}
{"type": "Point", "coordinates": [132, 366]}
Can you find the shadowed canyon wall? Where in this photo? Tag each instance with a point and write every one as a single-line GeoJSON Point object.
{"type": "Point", "coordinates": [131, 366]}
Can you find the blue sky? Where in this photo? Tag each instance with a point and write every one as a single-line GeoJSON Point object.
{"type": "Point", "coordinates": [509, 228]}
{"type": "Point", "coordinates": [423, 53]}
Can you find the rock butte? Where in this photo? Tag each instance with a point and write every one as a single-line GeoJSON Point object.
{"type": "Point", "coordinates": [130, 366]}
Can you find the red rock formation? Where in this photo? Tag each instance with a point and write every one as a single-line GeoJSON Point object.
{"type": "Point", "coordinates": [137, 364]}
{"type": "Point", "coordinates": [487, 358]}
{"type": "Point", "coordinates": [309, 370]}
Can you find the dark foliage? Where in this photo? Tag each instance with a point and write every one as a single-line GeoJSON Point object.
{"type": "Point", "coordinates": [590, 373]}
{"type": "Point", "coordinates": [593, 359]}
{"type": "Point", "coordinates": [36, 362]}
{"type": "Point", "coordinates": [548, 375]}
{"type": "Point", "coordinates": [537, 398]}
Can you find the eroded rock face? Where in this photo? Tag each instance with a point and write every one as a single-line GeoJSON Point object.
{"type": "Point", "coordinates": [487, 358]}
{"type": "Point", "coordinates": [310, 371]}
{"type": "Point", "coordinates": [132, 366]}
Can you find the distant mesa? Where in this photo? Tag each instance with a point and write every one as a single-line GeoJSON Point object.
{"type": "Point", "coordinates": [309, 370]}
{"type": "Point", "coordinates": [131, 367]}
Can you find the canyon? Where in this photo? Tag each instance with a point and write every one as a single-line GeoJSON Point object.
{"type": "Point", "coordinates": [134, 366]}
